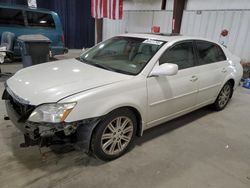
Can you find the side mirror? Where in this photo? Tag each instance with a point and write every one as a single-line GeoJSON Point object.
{"type": "Point", "coordinates": [166, 69]}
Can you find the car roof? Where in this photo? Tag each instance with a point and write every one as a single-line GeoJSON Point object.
{"type": "Point", "coordinates": [24, 7]}
{"type": "Point", "coordinates": [168, 37]}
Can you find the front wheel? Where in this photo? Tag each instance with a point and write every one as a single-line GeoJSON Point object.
{"type": "Point", "coordinates": [114, 135]}
{"type": "Point", "coordinates": [223, 97]}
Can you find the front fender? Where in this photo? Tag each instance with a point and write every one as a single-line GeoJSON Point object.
{"type": "Point", "coordinates": [100, 101]}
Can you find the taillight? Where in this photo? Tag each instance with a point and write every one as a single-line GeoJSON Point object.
{"type": "Point", "coordinates": [62, 38]}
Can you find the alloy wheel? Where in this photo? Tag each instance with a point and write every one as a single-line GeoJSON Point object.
{"type": "Point", "coordinates": [224, 95]}
{"type": "Point", "coordinates": [117, 135]}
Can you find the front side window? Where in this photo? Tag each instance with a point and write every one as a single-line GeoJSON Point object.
{"type": "Point", "coordinates": [181, 54]}
{"type": "Point", "coordinates": [37, 19]}
{"type": "Point", "coordinates": [209, 53]}
{"type": "Point", "coordinates": [11, 17]}
{"type": "Point", "coordinates": [126, 55]}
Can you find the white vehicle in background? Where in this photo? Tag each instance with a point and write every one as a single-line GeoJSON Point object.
{"type": "Point", "coordinates": [119, 88]}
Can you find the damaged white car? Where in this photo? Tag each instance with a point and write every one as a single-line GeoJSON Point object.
{"type": "Point", "coordinates": [114, 91]}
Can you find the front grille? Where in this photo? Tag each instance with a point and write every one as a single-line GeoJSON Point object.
{"type": "Point", "coordinates": [23, 110]}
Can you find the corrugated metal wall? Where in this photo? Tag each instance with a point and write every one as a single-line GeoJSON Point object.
{"type": "Point", "coordinates": [217, 4]}
{"type": "Point", "coordinates": [209, 24]}
{"type": "Point", "coordinates": [142, 4]}
{"type": "Point", "coordinates": [138, 22]}
{"type": "Point", "coordinates": [114, 27]}
{"type": "Point", "coordinates": [216, 15]}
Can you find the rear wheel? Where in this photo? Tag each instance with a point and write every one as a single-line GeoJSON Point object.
{"type": "Point", "coordinates": [114, 135]}
{"type": "Point", "coordinates": [223, 97]}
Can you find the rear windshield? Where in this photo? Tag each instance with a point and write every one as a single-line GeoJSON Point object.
{"type": "Point", "coordinates": [11, 17]}
{"type": "Point", "coordinates": [38, 19]}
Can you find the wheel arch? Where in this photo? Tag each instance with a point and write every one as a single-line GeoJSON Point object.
{"type": "Point", "coordinates": [137, 114]}
{"type": "Point", "coordinates": [230, 78]}
{"type": "Point", "coordinates": [131, 108]}
{"type": "Point", "coordinates": [138, 119]}
{"type": "Point", "coordinates": [232, 82]}
{"type": "Point", "coordinates": [86, 132]}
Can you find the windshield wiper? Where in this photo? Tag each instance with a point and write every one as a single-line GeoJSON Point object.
{"type": "Point", "coordinates": [95, 64]}
{"type": "Point", "coordinates": [81, 59]}
{"type": "Point", "coordinates": [124, 72]}
{"type": "Point", "coordinates": [103, 66]}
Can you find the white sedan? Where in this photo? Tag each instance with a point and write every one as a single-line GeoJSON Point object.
{"type": "Point", "coordinates": [114, 91]}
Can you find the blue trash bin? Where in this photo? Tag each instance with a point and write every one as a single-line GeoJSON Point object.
{"type": "Point", "coordinates": [26, 58]}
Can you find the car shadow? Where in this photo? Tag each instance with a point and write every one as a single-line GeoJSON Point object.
{"type": "Point", "coordinates": [168, 127]}
{"type": "Point", "coordinates": [64, 157]}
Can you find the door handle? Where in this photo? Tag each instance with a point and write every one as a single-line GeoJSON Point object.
{"type": "Point", "coordinates": [224, 70]}
{"type": "Point", "coordinates": [194, 78]}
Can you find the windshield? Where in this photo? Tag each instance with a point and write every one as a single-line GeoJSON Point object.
{"type": "Point", "coordinates": [126, 55]}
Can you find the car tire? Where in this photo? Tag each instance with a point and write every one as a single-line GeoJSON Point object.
{"type": "Point", "coordinates": [114, 135]}
{"type": "Point", "coordinates": [223, 97]}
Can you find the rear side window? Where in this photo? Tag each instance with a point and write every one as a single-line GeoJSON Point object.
{"type": "Point", "coordinates": [181, 54]}
{"type": "Point", "coordinates": [11, 17]}
{"type": "Point", "coordinates": [209, 52]}
{"type": "Point", "coordinates": [38, 19]}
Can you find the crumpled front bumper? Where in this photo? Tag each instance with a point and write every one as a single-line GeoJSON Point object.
{"type": "Point", "coordinates": [46, 134]}
{"type": "Point", "coordinates": [37, 131]}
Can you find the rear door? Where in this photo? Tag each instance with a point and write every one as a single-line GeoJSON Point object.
{"type": "Point", "coordinates": [212, 64]}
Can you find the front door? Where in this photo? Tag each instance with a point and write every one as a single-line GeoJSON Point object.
{"type": "Point", "coordinates": [169, 96]}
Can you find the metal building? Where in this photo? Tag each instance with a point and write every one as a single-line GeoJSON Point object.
{"type": "Point", "coordinates": [200, 18]}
